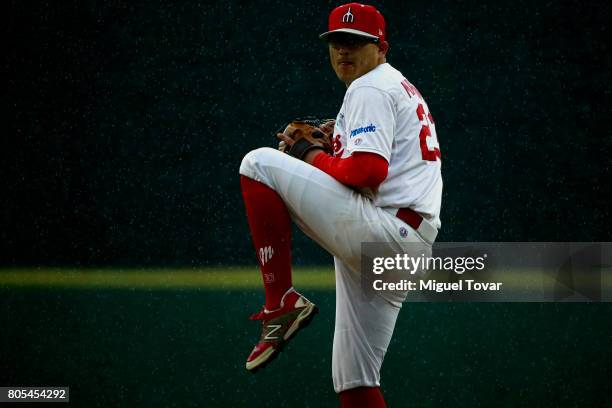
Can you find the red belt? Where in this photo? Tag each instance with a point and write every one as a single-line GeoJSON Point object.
{"type": "Point", "coordinates": [410, 217]}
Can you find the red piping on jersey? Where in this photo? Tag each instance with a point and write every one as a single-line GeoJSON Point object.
{"type": "Point", "coordinates": [362, 169]}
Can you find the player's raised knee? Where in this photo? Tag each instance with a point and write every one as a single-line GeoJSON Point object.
{"type": "Point", "coordinates": [256, 158]}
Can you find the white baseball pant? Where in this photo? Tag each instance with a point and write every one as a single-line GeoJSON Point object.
{"type": "Point", "coordinates": [340, 219]}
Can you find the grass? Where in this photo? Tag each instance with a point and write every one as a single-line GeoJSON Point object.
{"type": "Point", "coordinates": [521, 284]}
{"type": "Point", "coordinates": [134, 278]}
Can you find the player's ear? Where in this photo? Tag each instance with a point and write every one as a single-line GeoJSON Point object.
{"type": "Point", "coordinates": [383, 47]}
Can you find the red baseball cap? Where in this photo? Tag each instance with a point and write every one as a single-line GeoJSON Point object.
{"type": "Point", "coordinates": [358, 19]}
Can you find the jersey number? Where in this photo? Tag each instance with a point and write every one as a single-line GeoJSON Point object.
{"type": "Point", "coordinates": [426, 121]}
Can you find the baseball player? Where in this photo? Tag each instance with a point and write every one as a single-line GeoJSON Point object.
{"type": "Point", "coordinates": [381, 184]}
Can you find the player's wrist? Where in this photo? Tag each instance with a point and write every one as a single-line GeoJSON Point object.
{"type": "Point", "coordinates": [312, 154]}
{"type": "Point", "coordinates": [300, 148]}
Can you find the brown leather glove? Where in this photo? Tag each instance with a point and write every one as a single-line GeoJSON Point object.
{"type": "Point", "coordinates": [302, 135]}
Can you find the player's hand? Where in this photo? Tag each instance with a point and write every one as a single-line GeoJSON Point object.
{"type": "Point", "coordinates": [285, 142]}
{"type": "Point", "coordinates": [328, 127]}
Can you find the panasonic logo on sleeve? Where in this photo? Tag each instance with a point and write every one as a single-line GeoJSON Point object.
{"type": "Point", "coordinates": [364, 129]}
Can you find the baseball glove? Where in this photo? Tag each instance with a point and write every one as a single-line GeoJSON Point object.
{"type": "Point", "coordinates": [302, 135]}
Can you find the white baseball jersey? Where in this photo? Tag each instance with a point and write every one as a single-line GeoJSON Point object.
{"type": "Point", "coordinates": [383, 113]}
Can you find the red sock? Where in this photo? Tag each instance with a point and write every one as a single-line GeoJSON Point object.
{"type": "Point", "coordinates": [362, 397]}
{"type": "Point", "coordinates": [270, 226]}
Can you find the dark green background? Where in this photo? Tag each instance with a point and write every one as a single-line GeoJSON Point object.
{"type": "Point", "coordinates": [187, 349]}
{"type": "Point", "coordinates": [126, 126]}
{"type": "Point", "coordinates": [128, 121]}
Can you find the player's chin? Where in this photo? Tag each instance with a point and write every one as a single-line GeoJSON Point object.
{"type": "Point", "coordinates": [345, 74]}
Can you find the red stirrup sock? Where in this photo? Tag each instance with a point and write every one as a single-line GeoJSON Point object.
{"type": "Point", "coordinates": [270, 226]}
{"type": "Point", "coordinates": [362, 397]}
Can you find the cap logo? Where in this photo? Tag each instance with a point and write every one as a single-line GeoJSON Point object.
{"type": "Point", "coordinates": [348, 17]}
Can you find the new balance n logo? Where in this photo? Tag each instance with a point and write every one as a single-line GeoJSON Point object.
{"type": "Point", "coordinates": [265, 254]}
{"type": "Point", "coordinates": [274, 328]}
